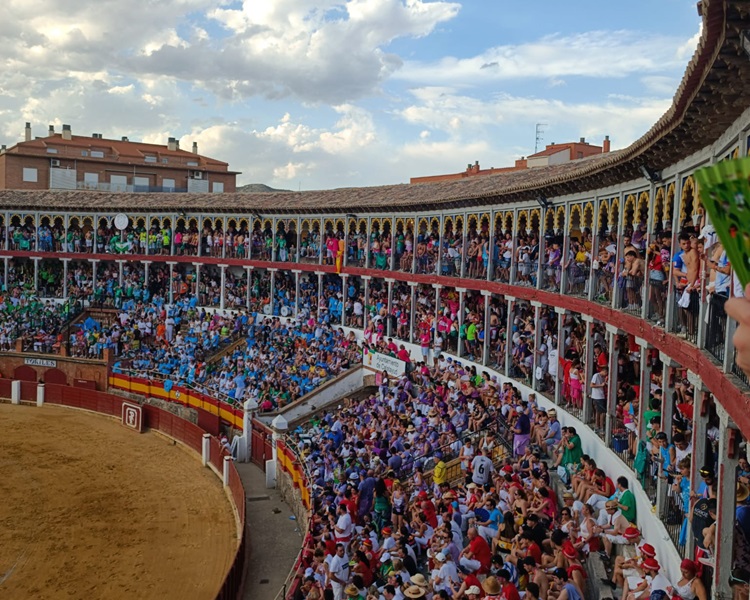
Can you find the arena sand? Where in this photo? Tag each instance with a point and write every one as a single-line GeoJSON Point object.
{"type": "Point", "coordinates": [90, 509]}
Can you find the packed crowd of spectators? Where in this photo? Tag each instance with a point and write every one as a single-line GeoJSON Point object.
{"type": "Point", "coordinates": [438, 485]}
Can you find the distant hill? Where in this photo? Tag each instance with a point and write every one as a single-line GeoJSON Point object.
{"type": "Point", "coordinates": [257, 188]}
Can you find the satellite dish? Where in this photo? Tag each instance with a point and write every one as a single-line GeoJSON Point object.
{"type": "Point", "coordinates": [284, 311]}
{"type": "Point", "coordinates": [121, 221]}
{"type": "Point", "coordinates": [267, 309]}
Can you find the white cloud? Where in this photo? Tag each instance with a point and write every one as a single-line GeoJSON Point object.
{"type": "Point", "coordinates": [601, 54]}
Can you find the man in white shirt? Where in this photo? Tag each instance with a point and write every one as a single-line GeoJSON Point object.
{"type": "Point", "coordinates": [446, 574]}
{"type": "Point", "coordinates": [344, 525]}
{"type": "Point", "coordinates": [339, 572]}
{"type": "Point", "coordinates": [482, 468]}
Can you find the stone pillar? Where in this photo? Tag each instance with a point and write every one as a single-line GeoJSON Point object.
{"type": "Point", "coordinates": [699, 440]}
{"type": "Point", "coordinates": [197, 266]}
{"type": "Point", "coordinates": [146, 266]}
{"type": "Point", "coordinates": [537, 337]}
{"type": "Point", "coordinates": [320, 290]}
{"type": "Point", "coordinates": [222, 301]}
{"type": "Point", "coordinates": [365, 308]}
{"type": "Point", "coordinates": [486, 345]}
{"type": "Point", "coordinates": [561, 312]}
{"type": "Point", "coordinates": [121, 264]}
{"type": "Point", "coordinates": [36, 272]}
{"type": "Point", "coordinates": [667, 410]}
{"type": "Point", "coordinates": [612, 384]}
{"type": "Point", "coordinates": [344, 296]}
{"type": "Point", "coordinates": [5, 267]}
{"type": "Point", "coordinates": [273, 290]}
{"type": "Point", "coordinates": [461, 317]}
{"type": "Point", "coordinates": [389, 323]}
{"type": "Point", "coordinates": [508, 335]}
{"type": "Point", "coordinates": [437, 288]}
{"type": "Point", "coordinates": [729, 454]}
{"type": "Point", "coordinates": [588, 409]}
{"type": "Point", "coordinates": [249, 286]}
{"type": "Point", "coordinates": [413, 309]}
{"type": "Point", "coordinates": [65, 262]}
{"type": "Point", "coordinates": [171, 282]}
{"type": "Point", "coordinates": [94, 262]}
{"type": "Point", "coordinates": [296, 291]}
{"type": "Point", "coordinates": [645, 383]}
{"type": "Point", "coordinates": [206, 449]}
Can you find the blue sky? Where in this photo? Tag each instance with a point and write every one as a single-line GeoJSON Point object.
{"type": "Point", "coordinates": [332, 93]}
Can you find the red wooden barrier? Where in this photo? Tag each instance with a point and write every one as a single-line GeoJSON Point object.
{"type": "Point", "coordinates": [28, 391]}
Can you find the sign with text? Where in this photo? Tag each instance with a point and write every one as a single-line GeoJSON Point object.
{"type": "Point", "coordinates": [132, 416]}
{"type": "Point", "coordinates": [383, 362]}
{"type": "Point", "coordinates": [40, 362]}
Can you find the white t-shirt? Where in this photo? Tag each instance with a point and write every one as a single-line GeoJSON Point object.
{"type": "Point", "coordinates": [340, 567]}
{"type": "Point", "coordinates": [597, 393]}
{"type": "Point", "coordinates": [482, 469]}
{"type": "Point", "coordinates": [344, 524]}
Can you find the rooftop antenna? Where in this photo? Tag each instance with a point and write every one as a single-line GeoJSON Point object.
{"type": "Point", "coordinates": [539, 135]}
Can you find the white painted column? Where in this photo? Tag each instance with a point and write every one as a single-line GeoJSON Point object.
{"type": "Point", "coordinates": [296, 291]}
{"type": "Point", "coordinates": [121, 265]}
{"type": "Point", "coordinates": [560, 350]}
{"type": "Point", "coordinates": [366, 310]}
{"type": "Point", "coordinates": [344, 284]}
{"type": "Point", "coordinates": [15, 392]}
{"type": "Point", "coordinates": [612, 384]}
{"type": "Point", "coordinates": [171, 281]}
{"type": "Point", "coordinates": [461, 317]}
{"type": "Point", "coordinates": [588, 409]}
{"type": "Point", "coordinates": [197, 266]}
{"type": "Point", "coordinates": [389, 323]}
{"type": "Point", "coordinates": [486, 345]}
{"type": "Point", "coordinates": [537, 337]}
{"type": "Point", "coordinates": [508, 334]}
{"type": "Point", "coordinates": [206, 449]}
{"type": "Point", "coordinates": [36, 272]}
{"type": "Point", "coordinates": [249, 285]}
{"type": "Point", "coordinates": [65, 277]}
{"type": "Point", "coordinates": [40, 395]}
{"type": "Point", "coordinates": [223, 297]}
{"type": "Point", "coordinates": [413, 309]}
{"type": "Point", "coordinates": [225, 473]}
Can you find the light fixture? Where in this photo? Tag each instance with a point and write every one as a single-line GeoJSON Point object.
{"type": "Point", "coordinates": [650, 175]}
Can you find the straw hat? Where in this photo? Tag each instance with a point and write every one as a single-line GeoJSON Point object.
{"type": "Point", "coordinates": [742, 492]}
{"type": "Point", "coordinates": [419, 580]}
{"type": "Point", "coordinates": [351, 590]}
{"type": "Point", "coordinates": [491, 585]}
{"type": "Point", "coordinates": [414, 591]}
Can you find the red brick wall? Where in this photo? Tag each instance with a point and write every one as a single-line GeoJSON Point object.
{"type": "Point", "coordinates": [11, 172]}
{"type": "Point", "coordinates": [73, 368]}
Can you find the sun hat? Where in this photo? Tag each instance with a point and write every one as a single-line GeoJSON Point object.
{"type": "Point", "coordinates": [631, 533]}
{"type": "Point", "coordinates": [491, 585]}
{"type": "Point", "coordinates": [414, 591]}
{"type": "Point", "coordinates": [651, 564]}
{"type": "Point", "coordinates": [472, 590]}
{"type": "Point", "coordinates": [419, 580]}
{"type": "Point", "coordinates": [351, 590]}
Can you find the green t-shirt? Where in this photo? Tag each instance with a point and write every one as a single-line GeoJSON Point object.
{"type": "Point", "coordinates": [627, 499]}
{"type": "Point", "coordinates": [573, 455]}
{"type": "Point", "coordinates": [471, 332]}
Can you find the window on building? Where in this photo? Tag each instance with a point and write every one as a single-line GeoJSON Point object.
{"type": "Point", "coordinates": [30, 175]}
{"type": "Point", "coordinates": [141, 183]}
{"type": "Point", "coordinates": [118, 183]}
{"type": "Point", "coordinates": [164, 161]}
{"type": "Point", "coordinates": [192, 163]}
{"type": "Point", "coordinates": [218, 187]}
{"type": "Point", "coordinates": [580, 155]}
{"type": "Point", "coordinates": [84, 152]}
{"type": "Point", "coordinates": [97, 154]}
{"type": "Point", "coordinates": [51, 150]}
{"type": "Point", "coordinates": [149, 159]}
{"type": "Point", "coordinates": [91, 181]}
{"type": "Point", "coordinates": [168, 184]}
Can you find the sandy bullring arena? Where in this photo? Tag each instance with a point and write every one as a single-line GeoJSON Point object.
{"type": "Point", "coordinates": [90, 509]}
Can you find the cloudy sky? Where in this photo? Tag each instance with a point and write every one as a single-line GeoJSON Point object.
{"type": "Point", "coordinates": [310, 94]}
